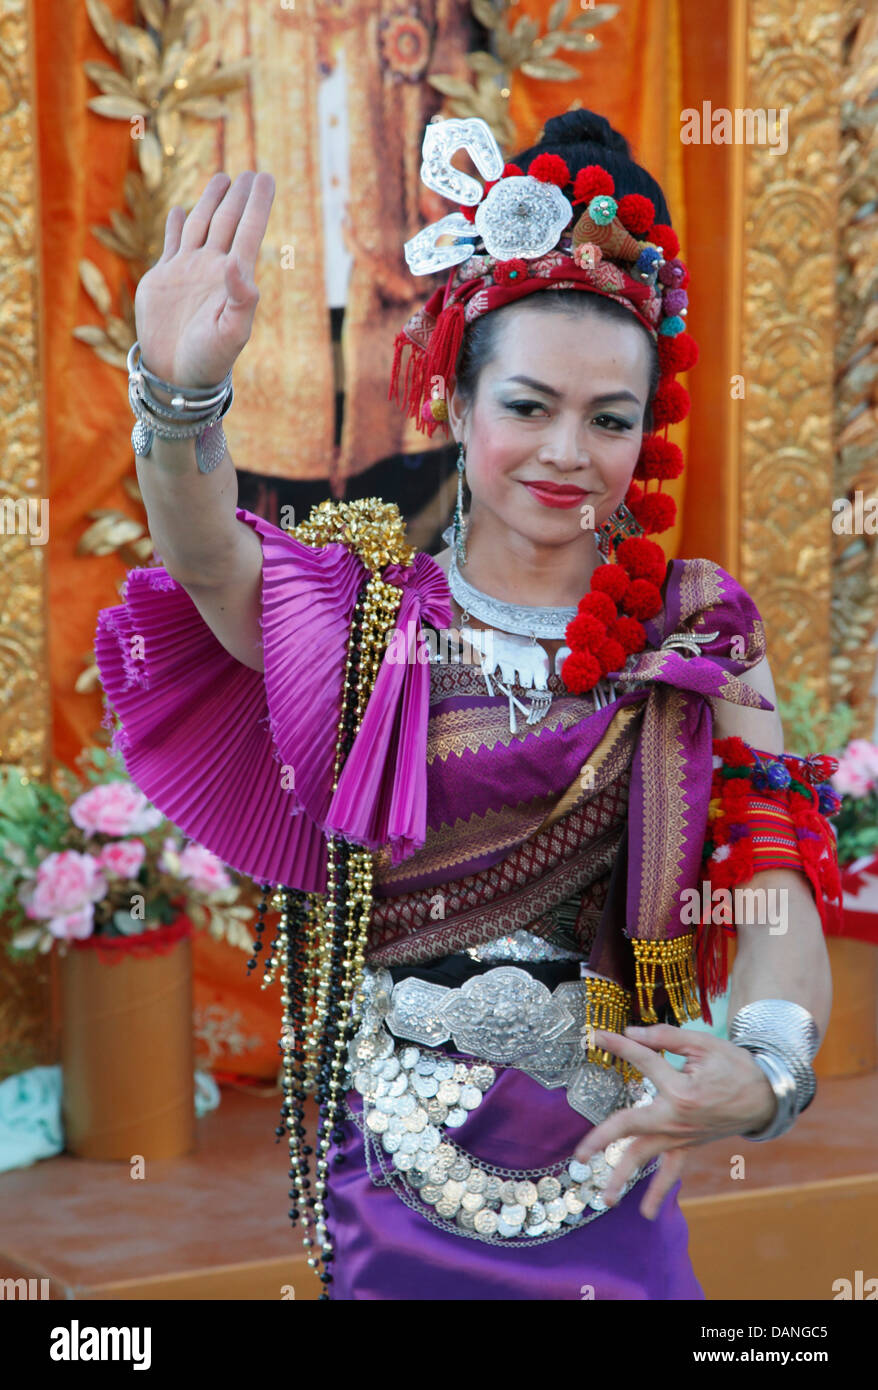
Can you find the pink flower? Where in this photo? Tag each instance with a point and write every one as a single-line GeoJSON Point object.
{"type": "Point", "coordinates": [864, 757]}
{"type": "Point", "coordinates": [849, 780]}
{"type": "Point", "coordinates": [66, 882]}
{"type": "Point", "coordinates": [169, 859]}
{"type": "Point", "coordinates": [74, 925]}
{"type": "Point", "coordinates": [123, 857]}
{"type": "Point", "coordinates": [114, 808]}
{"type": "Point", "coordinates": [204, 871]}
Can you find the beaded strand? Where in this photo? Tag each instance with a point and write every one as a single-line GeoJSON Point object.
{"type": "Point", "coordinates": [319, 953]}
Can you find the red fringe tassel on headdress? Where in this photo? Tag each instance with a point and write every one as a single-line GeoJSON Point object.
{"type": "Point", "coordinates": [424, 368]}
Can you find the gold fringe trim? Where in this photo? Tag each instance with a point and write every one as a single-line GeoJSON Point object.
{"type": "Point", "coordinates": [678, 975]}
{"type": "Point", "coordinates": [608, 1006]}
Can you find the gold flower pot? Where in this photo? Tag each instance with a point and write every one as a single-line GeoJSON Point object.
{"type": "Point", "coordinates": [127, 1051]}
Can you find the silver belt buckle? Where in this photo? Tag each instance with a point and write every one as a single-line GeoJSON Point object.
{"type": "Point", "coordinates": [507, 1017]}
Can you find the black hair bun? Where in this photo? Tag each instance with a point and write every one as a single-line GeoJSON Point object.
{"type": "Point", "coordinates": [584, 128]}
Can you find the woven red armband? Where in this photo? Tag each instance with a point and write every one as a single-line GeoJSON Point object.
{"type": "Point", "coordinates": [767, 811]}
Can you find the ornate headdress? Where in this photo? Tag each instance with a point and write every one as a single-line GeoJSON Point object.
{"type": "Point", "coordinates": [513, 238]}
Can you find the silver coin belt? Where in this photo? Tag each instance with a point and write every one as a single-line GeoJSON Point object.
{"type": "Point", "coordinates": [413, 1096]}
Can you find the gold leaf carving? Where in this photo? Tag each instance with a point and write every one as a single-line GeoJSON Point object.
{"type": "Point", "coordinates": [103, 23]}
{"type": "Point", "coordinates": [553, 69]}
{"type": "Point", "coordinates": [95, 285]}
{"type": "Point", "coordinates": [120, 107]}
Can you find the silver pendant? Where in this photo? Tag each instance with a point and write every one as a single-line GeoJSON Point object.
{"type": "Point", "coordinates": [210, 447]}
{"type": "Point", "coordinates": [141, 439]}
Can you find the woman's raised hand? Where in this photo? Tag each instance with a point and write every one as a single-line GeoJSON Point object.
{"type": "Point", "coordinates": [194, 308]}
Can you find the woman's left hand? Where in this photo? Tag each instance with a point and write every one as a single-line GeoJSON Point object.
{"type": "Point", "coordinates": [720, 1090]}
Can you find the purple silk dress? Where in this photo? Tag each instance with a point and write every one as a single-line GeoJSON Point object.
{"type": "Point", "coordinates": [207, 739]}
{"type": "Point", "coordinates": [384, 1250]}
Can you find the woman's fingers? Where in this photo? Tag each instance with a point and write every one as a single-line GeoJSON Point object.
{"type": "Point", "coordinates": [647, 1061]}
{"type": "Point", "coordinates": [665, 1037]}
{"type": "Point", "coordinates": [224, 223]}
{"type": "Point", "coordinates": [173, 229]}
{"type": "Point", "coordinates": [672, 1166]}
{"type": "Point", "coordinates": [198, 221]}
{"type": "Point", "coordinates": [241, 294]}
{"type": "Point", "coordinates": [637, 1154]}
{"type": "Point", "coordinates": [252, 224]}
{"type": "Point", "coordinates": [633, 1120]}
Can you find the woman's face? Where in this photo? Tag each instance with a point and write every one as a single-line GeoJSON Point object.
{"type": "Point", "coordinates": [579, 431]}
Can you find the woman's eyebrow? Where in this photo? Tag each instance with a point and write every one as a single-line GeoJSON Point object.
{"type": "Point", "coordinates": [622, 395]}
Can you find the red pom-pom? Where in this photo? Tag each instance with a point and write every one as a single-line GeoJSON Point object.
{"type": "Point", "coordinates": [611, 580]}
{"type": "Point", "coordinates": [580, 672]}
{"type": "Point", "coordinates": [677, 354]}
{"type": "Point", "coordinates": [636, 213]}
{"type": "Point", "coordinates": [733, 751]}
{"type": "Point", "coordinates": [670, 405]}
{"type": "Point", "coordinates": [510, 272]}
{"type": "Point", "coordinates": [611, 655]}
{"type": "Point", "coordinates": [825, 766]}
{"type": "Point", "coordinates": [659, 458]}
{"type": "Point", "coordinates": [630, 633]}
{"type": "Point", "coordinates": [643, 600]}
{"type": "Point", "coordinates": [655, 512]}
{"type": "Point", "coordinates": [737, 868]}
{"type": "Point", "coordinates": [665, 237]}
{"type": "Point", "coordinates": [550, 168]}
{"type": "Point", "coordinates": [585, 631]}
{"type": "Point", "coordinates": [590, 182]}
{"type": "Point", "coordinates": [598, 606]}
{"type": "Point", "coordinates": [642, 559]}
{"type": "Point", "coordinates": [469, 213]}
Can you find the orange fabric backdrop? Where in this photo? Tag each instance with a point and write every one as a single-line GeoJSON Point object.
{"type": "Point", "coordinates": [650, 65]}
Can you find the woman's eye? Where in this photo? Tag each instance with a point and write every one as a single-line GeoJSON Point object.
{"type": "Point", "coordinates": [611, 420]}
{"type": "Point", "coordinates": [605, 421]}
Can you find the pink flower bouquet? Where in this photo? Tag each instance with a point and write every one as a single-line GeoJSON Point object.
{"type": "Point", "coordinates": [856, 782]}
{"type": "Point", "coordinates": [80, 860]}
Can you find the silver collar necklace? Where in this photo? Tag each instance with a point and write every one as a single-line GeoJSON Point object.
{"type": "Point", "coordinates": [518, 618]}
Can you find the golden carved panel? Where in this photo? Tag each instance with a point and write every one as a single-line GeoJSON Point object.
{"type": "Point", "coordinates": [808, 428]}
{"type": "Point", "coordinates": [25, 1038]}
{"type": "Point", "coordinates": [787, 333]}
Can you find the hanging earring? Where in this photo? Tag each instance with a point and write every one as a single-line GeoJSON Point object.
{"type": "Point", "coordinates": [459, 523]}
{"type": "Point", "coordinates": [616, 528]}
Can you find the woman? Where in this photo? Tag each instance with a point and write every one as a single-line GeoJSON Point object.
{"type": "Point", "coordinates": [487, 856]}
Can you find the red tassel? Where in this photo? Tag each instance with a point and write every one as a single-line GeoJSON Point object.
{"type": "Point", "coordinates": [445, 344]}
{"type": "Point", "coordinates": [712, 965]}
{"type": "Point", "coordinates": [399, 343]}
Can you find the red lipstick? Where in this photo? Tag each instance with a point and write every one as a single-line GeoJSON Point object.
{"type": "Point", "coordinates": [556, 494]}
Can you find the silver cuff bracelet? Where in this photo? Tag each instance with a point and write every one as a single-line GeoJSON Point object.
{"type": "Point", "coordinates": [783, 1040]}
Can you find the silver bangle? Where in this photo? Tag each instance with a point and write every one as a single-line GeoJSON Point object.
{"type": "Point", "coordinates": [184, 397]}
{"type": "Point", "coordinates": [156, 417]}
{"type": "Point", "coordinates": [783, 1039]}
{"type": "Point", "coordinates": [783, 1084]}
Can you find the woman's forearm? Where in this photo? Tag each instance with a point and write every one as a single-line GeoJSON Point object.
{"type": "Point", "coordinates": [191, 515]}
{"type": "Point", "coordinates": [786, 959]}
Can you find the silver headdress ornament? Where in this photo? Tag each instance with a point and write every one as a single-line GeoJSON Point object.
{"type": "Point", "coordinates": [519, 217]}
